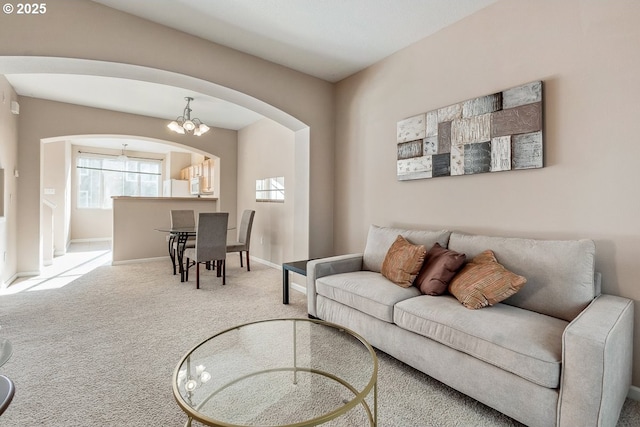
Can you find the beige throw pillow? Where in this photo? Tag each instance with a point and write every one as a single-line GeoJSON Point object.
{"type": "Point", "coordinates": [484, 281]}
{"type": "Point", "coordinates": [403, 261]}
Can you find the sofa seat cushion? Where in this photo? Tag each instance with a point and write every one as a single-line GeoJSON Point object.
{"type": "Point", "coordinates": [365, 291]}
{"type": "Point", "coordinates": [525, 343]}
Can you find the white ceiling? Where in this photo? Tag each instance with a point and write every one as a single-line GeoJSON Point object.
{"type": "Point", "coordinates": [329, 39]}
{"type": "Point", "coordinates": [132, 96]}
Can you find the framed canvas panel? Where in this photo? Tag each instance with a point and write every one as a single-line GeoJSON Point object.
{"type": "Point", "coordinates": [498, 132]}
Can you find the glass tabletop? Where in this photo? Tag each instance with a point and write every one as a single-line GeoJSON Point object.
{"type": "Point", "coordinates": [6, 350]}
{"type": "Point", "coordinates": [281, 372]}
{"type": "Point", "coordinates": [183, 230]}
{"type": "Point", "coordinates": [178, 230]}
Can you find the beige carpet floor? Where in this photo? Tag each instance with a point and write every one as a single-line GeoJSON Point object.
{"type": "Point", "coordinates": [101, 350]}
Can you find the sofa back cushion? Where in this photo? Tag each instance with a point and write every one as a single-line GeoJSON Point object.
{"type": "Point", "coordinates": [380, 239]}
{"type": "Point", "coordinates": [484, 281]}
{"type": "Point", "coordinates": [560, 273]}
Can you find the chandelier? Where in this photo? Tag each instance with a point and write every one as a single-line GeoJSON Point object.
{"type": "Point", "coordinates": [123, 157]}
{"type": "Point", "coordinates": [185, 124]}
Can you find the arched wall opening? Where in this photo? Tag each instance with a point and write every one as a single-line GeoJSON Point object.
{"type": "Point", "coordinates": [63, 221]}
{"type": "Point", "coordinates": [56, 123]}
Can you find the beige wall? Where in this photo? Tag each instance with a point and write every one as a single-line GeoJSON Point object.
{"type": "Point", "coordinates": [587, 55]}
{"type": "Point", "coordinates": [40, 119]}
{"type": "Point", "coordinates": [8, 163]}
{"type": "Point", "coordinates": [87, 30]}
{"type": "Point", "coordinates": [176, 161]}
{"type": "Point", "coordinates": [266, 150]}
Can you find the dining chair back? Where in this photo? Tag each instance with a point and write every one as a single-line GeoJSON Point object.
{"type": "Point", "coordinates": [210, 245]}
{"type": "Point", "coordinates": [244, 236]}
{"type": "Point", "coordinates": [182, 218]}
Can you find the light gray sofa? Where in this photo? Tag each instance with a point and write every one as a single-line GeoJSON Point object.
{"type": "Point", "coordinates": [556, 353]}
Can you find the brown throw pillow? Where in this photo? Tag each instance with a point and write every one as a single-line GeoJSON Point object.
{"type": "Point", "coordinates": [484, 281]}
{"type": "Point", "coordinates": [403, 261]}
{"type": "Point", "coordinates": [440, 265]}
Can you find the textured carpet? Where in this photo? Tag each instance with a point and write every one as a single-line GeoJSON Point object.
{"type": "Point", "coordinates": [101, 350]}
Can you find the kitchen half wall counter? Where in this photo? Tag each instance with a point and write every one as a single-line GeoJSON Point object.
{"type": "Point", "coordinates": [135, 220]}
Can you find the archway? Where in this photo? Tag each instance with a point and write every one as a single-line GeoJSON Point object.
{"type": "Point", "coordinates": [127, 71]}
{"type": "Point", "coordinates": [63, 221]}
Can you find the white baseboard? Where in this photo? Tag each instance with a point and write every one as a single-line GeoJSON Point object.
{"type": "Point", "coordinates": [10, 281]}
{"type": "Point", "coordinates": [634, 393]}
{"type": "Point", "coordinates": [292, 285]}
{"type": "Point", "coordinates": [19, 275]}
{"type": "Point", "coordinates": [97, 239]}
{"type": "Point", "coordinates": [265, 262]}
{"type": "Point", "coordinates": [297, 287]}
{"type": "Point", "coordinates": [136, 261]}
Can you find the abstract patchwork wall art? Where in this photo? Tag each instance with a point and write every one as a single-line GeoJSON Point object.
{"type": "Point", "coordinates": [498, 132]}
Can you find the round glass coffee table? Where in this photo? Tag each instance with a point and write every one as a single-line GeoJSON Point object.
{"type": "Point", "coordinates": [281, 372]}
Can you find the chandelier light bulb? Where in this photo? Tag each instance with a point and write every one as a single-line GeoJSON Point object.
{"type": "Point", "coordinates": [188, 125]}
{"type": "Point", "coordinates": [174, 126]}
{"type": "Point", "coordinates": [123, 157]}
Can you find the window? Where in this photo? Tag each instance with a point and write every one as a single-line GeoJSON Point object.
{"type": "Point", "coordinates": [270, 190]}
{"type": "Point", "coordinates": [101, 178]}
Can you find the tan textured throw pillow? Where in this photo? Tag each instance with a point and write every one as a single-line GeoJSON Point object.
{"type": "Point", "coordinates": [483, 281]}
{"type": "Point", "coordinates": [440, 265]}
{"type": "Point", "coordinates": [403, 261]}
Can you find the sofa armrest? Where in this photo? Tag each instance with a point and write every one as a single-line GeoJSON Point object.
{"type": "Point", "coordinates": [325, 267]}
{"type": "Point", "coordinates": [597, 349]}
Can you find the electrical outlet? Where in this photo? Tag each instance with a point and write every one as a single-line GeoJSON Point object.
{"type": "Point", "coordinates": [261, 240]}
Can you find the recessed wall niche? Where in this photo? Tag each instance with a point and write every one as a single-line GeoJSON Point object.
{"type": "Point", "coordinates": [498, 132]}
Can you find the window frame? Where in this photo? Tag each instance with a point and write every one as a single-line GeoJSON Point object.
{"type": "Point", "coordinates": [86, 163]}
{"type": "Point", "coordinates": [270, 190]}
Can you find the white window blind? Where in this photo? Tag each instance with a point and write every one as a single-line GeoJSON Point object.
{"type": "Point", "coordinates": [100, 178]}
